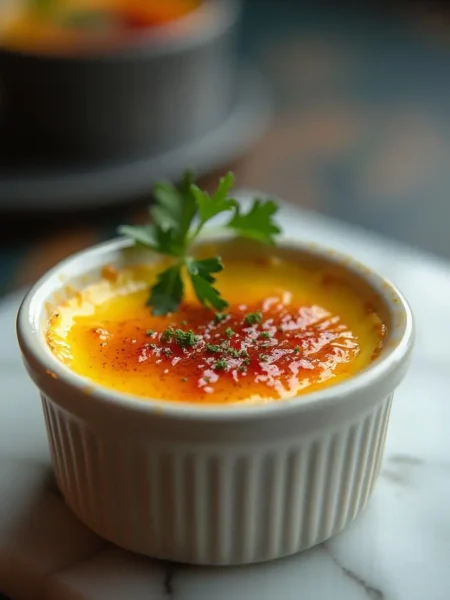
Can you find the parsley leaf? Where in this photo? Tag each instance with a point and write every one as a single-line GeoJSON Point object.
{"type": "Point", "coordinates": [161, 240]}
{"type": "Point", "coordinates": [166, 213]}
{"type": "Point", "coordinates": [167, 294]}
{"type": "Point", "coordinates": [178, 217]}
{"type": "Point", "coordinates": [141, 234]}
{"type": "Point", "coordinates": [205, 268]}
{"type": "Point", "coordinates": [210, 206]}
{"type": "Point", "coordinates": [257, 223]}
{"type": "Point", "coordinates": [175, 208]}
{"type": "Point", "coordinates": [201, 274]}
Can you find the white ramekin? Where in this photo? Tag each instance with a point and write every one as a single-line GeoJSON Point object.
{"type": "Point", "coordinates": [220, 484]}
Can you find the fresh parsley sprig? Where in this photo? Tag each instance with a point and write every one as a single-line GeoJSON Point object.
{"type": "Point", "coordinates": [178, 216]}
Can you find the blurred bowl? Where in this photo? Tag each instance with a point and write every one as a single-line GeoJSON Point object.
{"type": "Point", "coordinates": [162, 90]}
{"type": "Point", "coordinates": [43, 185]}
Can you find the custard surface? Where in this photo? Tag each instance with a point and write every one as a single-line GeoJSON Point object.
{"type": "Point", "coordinates": [288, 331]}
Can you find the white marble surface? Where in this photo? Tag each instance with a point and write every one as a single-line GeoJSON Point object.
{"type": "Point", "coordinates": [399, 549]}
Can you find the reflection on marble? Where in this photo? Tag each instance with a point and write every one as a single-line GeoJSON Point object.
{"type": "Point", "coordinates": [399, 549]}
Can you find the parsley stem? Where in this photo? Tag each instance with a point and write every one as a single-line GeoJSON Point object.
{"type": "Point", "coordinates": [194, 234]}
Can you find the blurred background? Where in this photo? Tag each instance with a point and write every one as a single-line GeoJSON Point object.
{"type": "Point", "coordinates": [339, 107]}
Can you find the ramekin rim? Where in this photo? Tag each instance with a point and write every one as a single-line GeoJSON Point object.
{"type": "Point", "coordinates": [33, 346]}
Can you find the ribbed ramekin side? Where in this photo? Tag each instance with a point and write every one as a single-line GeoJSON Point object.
{"type": "Point", "coordinates": [219, 503]}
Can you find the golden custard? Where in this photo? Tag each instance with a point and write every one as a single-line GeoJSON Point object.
{"type": "Point", "coordinates": [288, 330]}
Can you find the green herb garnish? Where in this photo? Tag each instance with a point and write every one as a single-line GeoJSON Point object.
{"type": "Point", "coordinates": [265, 335]}
{"type": "Point", "coordinates": [185, 339]}
{"type": "Point", "coordinates": [225, 349]}
{"type": "Point", "coordinates": [219, 317]}
{"type": "Point", "coordinates": [179, 216]}
{"type": "Point", "coordinates": [221, 365]}
{"type": "Point", "coordinates": [264, 358]}
{"type": "Point", "coordinates": [229, 332]}
{"type": "Point", "coordinates": [253, 318]}
{"type": "Point", "coordinates": [167, 335]}
{"type": "Point", "coordinates": [213, 348]}
{"type": "Point", "coordinates": [150, 332]}
{"type": "Point", "coordinates": [234, 353]}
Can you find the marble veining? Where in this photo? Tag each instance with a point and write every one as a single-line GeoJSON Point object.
{"type": "Point", "coordinates": [372, 593]}
{"type": "Point", "coordinates": [398, 549]}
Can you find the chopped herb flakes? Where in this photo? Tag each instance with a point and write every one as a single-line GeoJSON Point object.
{"type": "Point", "coordinates": [150, 332]}
{"type": "Point", "coordinates": [231, 349]}
{"type": "Point", "coordinates": [234, 353]}
{"type": "Point", "coordinates": [219, 317]}
{"type": "Point", "coordinates": [213, 348]}
{"type": "Point", "coordinates": [253, 318]}
{"type": "Point", "coordinates": [185, 339]}
{"type": "Point", "coordinates": [221, 365]}
{"type": "Point", "coordinates": [167, 335]}
{"type": "Point", "coordinates": [226, 350]}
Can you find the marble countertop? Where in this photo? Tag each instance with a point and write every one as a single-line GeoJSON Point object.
{"type": "Point", "coordinates": [399, 549]}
